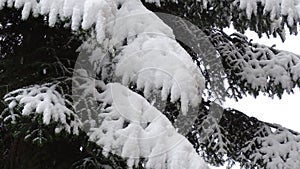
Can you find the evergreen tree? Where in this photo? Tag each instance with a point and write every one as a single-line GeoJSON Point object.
{"type": "Point", "coordinates": [110, 84]}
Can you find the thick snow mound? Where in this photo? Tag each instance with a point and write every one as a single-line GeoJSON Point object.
{"type": "Point", "coordinates": [146, 53]}
{"type": "Point", "coordinates": [133, 128]}
{"type": "Point", "coordinates": [144, 48]}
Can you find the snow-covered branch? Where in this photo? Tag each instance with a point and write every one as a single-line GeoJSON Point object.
{"type": "Point", "coordinates": [142, 50]}
{"type": "Point", "coordinates": [255, 67]}
{"type": "Point", "coordinates": [146, 53]}
{"type": "Point", "coordinates": [277, 149]}
{"type": "Point", "coordinates": [133, 128]}
{"type": "Point", "coordinates": [261, 16]}
{"type": "Point", "coordinates": [128, 125]}
{"type": "Point", "coordinates": [45, 100]}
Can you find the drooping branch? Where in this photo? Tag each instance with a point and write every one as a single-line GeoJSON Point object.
{"type": "Point", "coordinates": [260, 16]}
{"type": "Point", "coordinates": [237, 137]}
{"type": "Point", "coordinates": [253, 68]}
{"type": "Point", "coordinates": [250, 67]}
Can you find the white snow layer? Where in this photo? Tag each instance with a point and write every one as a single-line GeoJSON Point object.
{"type": "Point", "coordinates": [276, 8]}
{"type": "Point", "coordinates": [80, 10]}
{"type": "Point", "coordinates": [151, 57]}
{"type": "Point", "coordinates": [129, 125]}
{"type": "Point", "coordinates": [279, 150]}
{"type": "Point", "coordinates": [260, 65]}
{"type": "Point", "coordinates": [47, 101]}
{"type": "Point", "coordinates": [133, 128]}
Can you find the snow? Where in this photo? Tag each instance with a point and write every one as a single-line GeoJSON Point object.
{"type": "Point", "coordinates": [276, 8]}
{"type": "Point", "coordinates": [142, 49]}
{"type": "Point", "coordinates": [148, 133]}
{"type": "Point", "coordinates": [156, 62]}
{"type": "Point", "coordinates": [276, 67]}
{"type": "Point", "coordinates": [261, 66]}
{"type": "Point", "coordinates": [139, 31]}
{"type": "Point", "coordinates": [249, 6]}
{"type": "Point", "coordinates": [288, 8]}
{"type": "Point", "coordinates": [279, 149]}
{"type": "Point", "coordinates": [43, 100]}
{"type": "Point", "coordinates": [157, 2]}
{"type": "Point", "coordinates": [129, 126]}
{"type": "Point", "coordinates": [82, 12]}
{"type": "Point", "coordinates": [271, 6]}
{"type": "Point", "coordinates": [152, 59]}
